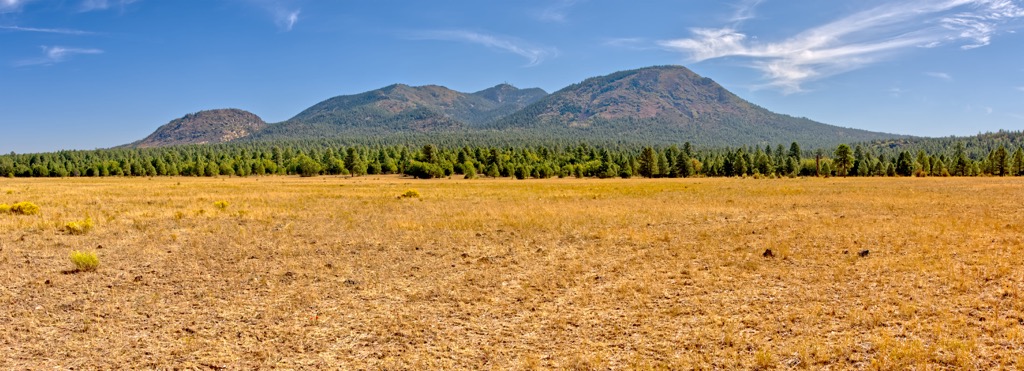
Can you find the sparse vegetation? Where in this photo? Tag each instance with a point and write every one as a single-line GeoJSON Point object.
{"type": "Point", "coordinates": [498, 273]}
{"type": "Point", "coordinates": [221, 205]}
{"type": "Point", "coordinates": [85, 261]}
{"type": "Point", "coordinates": [411, 193]}
{"type": "Point", "coordinates": [79, 227]}
{"type": "Point", "coordinates": [20, 208]}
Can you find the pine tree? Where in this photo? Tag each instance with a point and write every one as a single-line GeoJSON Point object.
{"type": "Point", "coordinates": [843, 160]}
{"type": "Point", "coordinates": [648, 163]}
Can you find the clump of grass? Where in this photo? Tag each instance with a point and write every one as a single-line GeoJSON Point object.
{"type": "Point", "coordinates": [221, 205]}
{"type": "Point", "coordinates": [764, 360]}
{"type": "Point", "coordinates": [20, 208]}
{"type": "Point", "coordinates": [412, 193]}
{"type": "Point", "coordinates": [85, 261]}
{"type": "Point", "coordinates": [79, 226]}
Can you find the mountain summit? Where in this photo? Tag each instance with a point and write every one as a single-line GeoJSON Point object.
{"type": "Point", "coordinates": [668, 102]}
{"type": "Point", "coordinates": [213, 126]}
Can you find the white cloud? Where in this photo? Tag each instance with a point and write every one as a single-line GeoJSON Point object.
{"type": "Point", "coordinates": [632, 43]}
{"type": "Point", "coordinates": [91, 5]}
{"type": "Point", "coordinates": [557, 12]}
{"type": "Point", "coordinates": [854, 41]}
{"type": "Point", "coordinates": [57, 54]}
{"type": "Point", "coordinates": [940, 75]}
{"type": "Point", "coordinates": [9, 6]}
{"type": "Point", "coordinates": [63, 31]}
{"type": "Point", "coordinates": [744, 11]}
{"type": "Point", "coordinates": [1020, 88]}
{"type": "Point", "coordinates": [286, 20]}
{"type": "Point", "coordinates": [284, 12]}
{"type": "Point", "coordinates": [985, 109]}
{"type": "Point", "coordinates": [534, 55]}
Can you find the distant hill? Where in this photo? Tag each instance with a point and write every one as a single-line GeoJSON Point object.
{"type": "Point", "coordinates": [213, 126]}
{"type": "Point", "coordinates": [654, 105]}
{"type": "Point", "coordinates": [669, 104]}
{"type": "Point", "coordinates": [403, 108]}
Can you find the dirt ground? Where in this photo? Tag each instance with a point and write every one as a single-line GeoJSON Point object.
{"type": "Point", "coordinates": [333, 272]}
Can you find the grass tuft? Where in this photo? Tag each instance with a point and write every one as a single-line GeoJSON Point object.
{"type": "Point", "coordinates": [221, 205]}
{"type": "Point", "coordinates": [85, 261]}
{"type": "Point", "coordinates": [21, 208]}
{"type": "Point", "coordinates": [412, 193]}
{"type": "Point", "coordinates": [79, 227]}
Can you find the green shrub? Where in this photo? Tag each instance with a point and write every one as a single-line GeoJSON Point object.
{"type": "Point", "coordinates": [85, 261]}
{"type": "Point", "coordinates": [221, 204]}
{"type": "Point", "coordinates": [79, 226]}
{"type": "Point", "coordinates": [412, 193]}
{"type": "Point", "coordinates": [24, 208]}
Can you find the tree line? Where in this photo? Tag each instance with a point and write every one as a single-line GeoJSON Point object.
{"type": "Point", "coordinates": [326, 157]}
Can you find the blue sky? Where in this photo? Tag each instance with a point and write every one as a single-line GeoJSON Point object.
{"type": "Point", "coordinates": [83, 74]}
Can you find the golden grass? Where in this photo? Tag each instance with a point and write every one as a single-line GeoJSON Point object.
{"type": "Point", "coordinates": [84, 261]}
{"type": "Point", "coordinates": [79, 227]}
{"type": "Point", "coordinates": [562, 273]}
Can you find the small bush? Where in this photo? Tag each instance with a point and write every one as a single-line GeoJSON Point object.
{"type": "Point", "coordinates": [5, 209]}
{"type": "Point", "coordinates": [24, 208]}
{"type": "Point", "coordinates": [80, 226]}
{"type": "Point", "coordinates": [221, 204]}
{"type": "Point", "coordinates": [412, 193]}
{"type": "Point", "coordinates": [85, 261]}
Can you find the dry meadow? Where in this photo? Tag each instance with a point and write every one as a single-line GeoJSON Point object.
{"type": "Point", "coordinates": [334, 272]}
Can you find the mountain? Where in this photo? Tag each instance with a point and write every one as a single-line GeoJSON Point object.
{"type": "Point", "coordinates": [213, 126]}
{"type": "Point", "coordinates": [403, 108]}
{"type": "Point", "coordinates": [668, 103]}
{"type": "Point", "coordinates": [659, 105]}
{"type": "Point", "coordinates": [508, 99]}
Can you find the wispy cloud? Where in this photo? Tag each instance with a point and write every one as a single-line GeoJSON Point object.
{"type": "Point", "coordinates": [286, 19]}
{"type": "Point", "coordinates": [854, 41]}
{"type": "Point", "coordinates": [744, 11]}
{"type": "Point", "coordinates": [1020, 88]}
{"type": "Point", "coordinates": [557, 11]}
{"type": "Point", "coordinates": [92, 5]}
{"type": "Point", "coordinates": [9, 6]}
{"type": "Point", "coordinates": [533, 54]}
{"type": "Point", "coordinates": [940, 75]}
{"type": "Point", "coordinates": [57, 54]}
{"type": "Point", "coordinates": [63, 31]}
{"type": "Point", "coordinates": [984, 109]}
{"type": "Point", "coordinates": [633, 43]}
{"type": "Point", "coordinates": [285, 12]}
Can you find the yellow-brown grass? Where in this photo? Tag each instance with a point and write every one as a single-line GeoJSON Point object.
{"type": "Point", "coordinates": [590, 274]}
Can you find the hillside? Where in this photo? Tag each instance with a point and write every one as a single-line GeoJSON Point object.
{"type": "Point", "coordinates": [213, 126]}
{"type": "Point", "coordinates": [669, 104]}
{"type": "Point", "coordinates": [403, 108]}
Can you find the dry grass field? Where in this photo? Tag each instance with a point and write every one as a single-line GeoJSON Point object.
{"type": "Point", "coordinates": [582, 274]}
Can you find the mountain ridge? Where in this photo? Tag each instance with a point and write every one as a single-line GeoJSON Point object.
{"type": "Point", "coordinates": [655, 105]}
